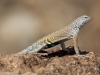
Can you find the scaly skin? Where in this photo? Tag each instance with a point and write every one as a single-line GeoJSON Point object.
{"type": "Point", "coordinates": [67, 33]}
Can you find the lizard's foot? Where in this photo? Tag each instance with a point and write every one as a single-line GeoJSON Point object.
{"type": "Point", "coordinates": [41, 53]}
{"type": "Point", "coordinates": [82, 56]}
{"type": "Point", "coordinates": [77, 51]}
{"type": "Point", "coordinates": [68, 49]}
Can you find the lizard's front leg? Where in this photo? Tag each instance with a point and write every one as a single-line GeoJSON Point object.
{"type": "Point", "coordinates": [75, 41]}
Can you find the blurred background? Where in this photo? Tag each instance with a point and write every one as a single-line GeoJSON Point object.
{"type": "Point", "coordinates": [23, 22]}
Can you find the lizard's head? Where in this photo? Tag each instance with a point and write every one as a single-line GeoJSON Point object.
{"type": "Point", "coordinates": [79, 22]}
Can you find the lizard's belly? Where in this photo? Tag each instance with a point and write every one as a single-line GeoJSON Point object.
{"type": "Point", "coordinates": [52, 44]}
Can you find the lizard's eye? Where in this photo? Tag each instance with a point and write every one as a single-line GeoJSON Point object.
{"type": "Point", "coordinates": [86, 17]}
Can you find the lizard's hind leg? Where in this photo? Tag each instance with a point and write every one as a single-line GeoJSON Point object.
{"type": "Point", "coordinates": [63, 46]}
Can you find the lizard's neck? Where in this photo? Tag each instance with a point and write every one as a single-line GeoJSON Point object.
{"type": "Point", "coordinates": [73, 29]}
{"type": "Point", "coordinates": [77, 24]}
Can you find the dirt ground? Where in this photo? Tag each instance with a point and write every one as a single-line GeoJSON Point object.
{"type": "Point", "coordinates": [57, 62]}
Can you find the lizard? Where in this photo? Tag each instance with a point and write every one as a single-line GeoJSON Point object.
{"type": "Point", "coordinates": [59, 37]}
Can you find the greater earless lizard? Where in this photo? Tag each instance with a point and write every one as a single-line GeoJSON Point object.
{"type": "Point", "coordinates": [59, 37]}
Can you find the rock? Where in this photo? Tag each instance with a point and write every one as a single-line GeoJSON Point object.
{"type": "Point", "coordinates": [57, 62]}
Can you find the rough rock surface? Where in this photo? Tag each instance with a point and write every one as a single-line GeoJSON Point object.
{"type": "Point", "coordinates": [57, 62]}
